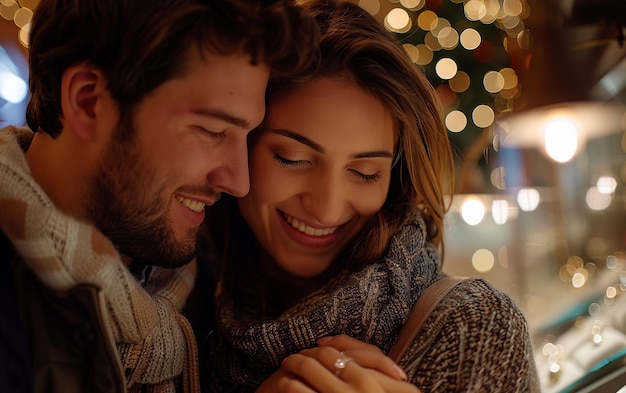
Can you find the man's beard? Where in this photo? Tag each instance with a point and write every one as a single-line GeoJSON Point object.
{"type": "Point", "coordinates": [126, 203]}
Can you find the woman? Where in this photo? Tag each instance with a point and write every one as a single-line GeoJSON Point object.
{"type": "Point", "coordinates": [341, 230]}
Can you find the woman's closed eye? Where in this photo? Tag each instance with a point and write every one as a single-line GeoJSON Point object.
{"type": "Point", "coordinates": [285, 162]}
{"type": "Point", "coordinates": [368, 178]}
{"type": "Point", "coordinates": [365, 177]}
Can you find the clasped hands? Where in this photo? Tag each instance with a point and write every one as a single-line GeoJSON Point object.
{"type": "Point", "coordinates": [339, 364]}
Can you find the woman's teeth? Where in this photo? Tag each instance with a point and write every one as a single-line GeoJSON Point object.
{"type": "Point", "coordinates": [190, 204]}
{"type": "Point", "coordinates": [307, 229]}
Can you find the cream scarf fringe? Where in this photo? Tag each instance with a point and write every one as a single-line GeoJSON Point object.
{"type": "Point", "coordinates": [154, 341]}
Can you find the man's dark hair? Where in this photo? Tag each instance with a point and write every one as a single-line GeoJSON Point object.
{"type": "Point", "coordinates": [140, 44]}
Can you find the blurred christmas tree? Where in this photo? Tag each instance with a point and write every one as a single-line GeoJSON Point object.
{"type": "Point", "coordinates": [470, 51]}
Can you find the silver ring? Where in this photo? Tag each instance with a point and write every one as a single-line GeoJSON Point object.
{"type": "Point", "coordinates": [340, 364]}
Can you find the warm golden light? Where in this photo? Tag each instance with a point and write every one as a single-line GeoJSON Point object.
{"type": "Point", "coordinates": [446, 68]}
{"type": "Point", "coordinates": [470, 39]}
{"type": "Point", "coordinates": [606, 184]}
{"type": "Point", "coordinates": [448, 38]}
{"type": "Point", "coordinates": [22, 17]}
{"type": "Point", "coordinates": [413, 5]}
{"type": "Point", "coordinates": [483, 116]}
{"type": "Point", "coordinates": [472, 210]}
{"type": "Point", "coordinates": [497, 178]}
{"type": "Point", "coordinates": [460, 82]}
{"type": "Point", "coordinates": [432, 42]}
{"type": "Point", "coordinates": [500, 211]}
{"type": "Point", "coordinates": [7, 11]}
{"type": "Point", "coordinates": [483, 260]}
{"type": "Point", "coordinates": [456, 121]}
{"type": "Point", "coordinates": [512, 7]}
{"type": "Point", "coordinates": [425, 54]}
{"type": "Point", "coordinates": [561, 139]}
{"type": "Point", "coordinates": [528, 199]}
{"type": "Point", "coordinates": [475, 10]}
{"type": "Point", "coordinates": [597, 200]}
{"type": "Point", "coordinates": [398, 20]}
{"type": "Point", "coordinates": [426, 19]}
{"type": "Point", "coordinates": [560, 130]}
{"type": "Point", "coordinates": [510, 78]}
{"type": "Point", "coordinates": [24, 35]}
{"type": "Point", "coordinates": [493, 81]}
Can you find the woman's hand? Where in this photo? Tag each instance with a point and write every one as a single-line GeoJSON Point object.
{"type": "Point", "coordinates": [366, 355]}
{"type": "Point", "coordinates": [367, 370]}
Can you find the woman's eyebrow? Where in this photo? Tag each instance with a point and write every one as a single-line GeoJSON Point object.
{"type": "Point", "coordinates": [302, 139]}
{"type": "Point", "coordinates": [374, 154]}
{"type": "Point", "coordinates": [318, 148]}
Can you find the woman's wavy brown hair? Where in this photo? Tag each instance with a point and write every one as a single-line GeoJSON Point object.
{"type": "Point", "coordinates": [353, 45]}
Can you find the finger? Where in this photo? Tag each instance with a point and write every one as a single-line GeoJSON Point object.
{"type": "Point", "coordinates": [290, 384]}
{"type": "Point", "coordinates": [357, 378]}
{"type": "Point", "coordinates": [316, 366]}
{"type": "Point", "coordinates": [377, 361]}
{"type": "Point", "coordinates": [270, 385]}
{"type": "Point", "coordinates": [367, 355]}
{"type": "Point", "coordinates": [334, 361]}
{"type": "Point", "coordinates": [341, 365]}
{"type": "Point", "coordinates": [388, 384]}
{"type": "Point", "coordinates": [313, 371]}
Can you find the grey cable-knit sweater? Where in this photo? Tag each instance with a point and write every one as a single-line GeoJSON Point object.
{"type": "Point", "coordinates": [476, 340]}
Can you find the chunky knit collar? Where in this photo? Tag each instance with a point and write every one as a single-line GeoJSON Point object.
{"type": "Point", "coordinates": [371, 305]}
{"type": "Point", "coordinates": [154, 341]}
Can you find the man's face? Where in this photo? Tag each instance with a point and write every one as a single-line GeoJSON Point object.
{"type": "Point", "coordinates": [188, 146]}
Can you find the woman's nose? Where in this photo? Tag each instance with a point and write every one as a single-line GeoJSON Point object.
{"type": "Point", "coordinates": [325, 201]}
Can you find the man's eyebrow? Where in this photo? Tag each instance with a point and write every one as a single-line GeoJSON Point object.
{"type": "Point", "coordinates": [237, 121]}
{"type": "Point", "coordinates": [320, 149]}
{"type": "Point", "coordinates": [300, 138]}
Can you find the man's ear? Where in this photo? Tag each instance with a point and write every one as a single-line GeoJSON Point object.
{"type": "Point", "coordinates": [81, 87]}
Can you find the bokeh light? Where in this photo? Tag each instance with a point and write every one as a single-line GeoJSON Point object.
{"type": "Point", "coordinates": [561, 139]}
{"type": "Point", "coordinates": [446, 68]}
{"type": "Point", "coordinates": [500, 211]}
{"type": "Point", "coordinates": [483, 260]}
{"type": "Point", "coordinates": [528, 199]}
{"type": "Point", "coordinates": [597, 200]}
{"type": "Point", "coordinates": [472, 211]}
{"type": "Point", "coordinates": [483, 116]}
{"type": "Point", "coordinates": [470, 39]}
{"type": "Point", "coordinates": [456, 121]}
{"type": "Point", "coordinates": [398, 20]}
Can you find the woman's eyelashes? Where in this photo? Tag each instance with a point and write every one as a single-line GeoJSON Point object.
{"type": "Point", "coordinates": [365, 177]}
{"type": "Point", "coordinates": [285, 162]}
{"type": "Point", "coordinates": [368, 178]}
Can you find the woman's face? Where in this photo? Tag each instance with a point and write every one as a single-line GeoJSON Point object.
{"type": "Point", "coordinates": [319, 169]}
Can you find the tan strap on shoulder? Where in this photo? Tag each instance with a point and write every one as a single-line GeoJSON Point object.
{"type": "Point", "coordinates": [420, 312]}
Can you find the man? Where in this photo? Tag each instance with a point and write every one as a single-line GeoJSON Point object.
{"type": "Point", "coordinates": [141, 110]}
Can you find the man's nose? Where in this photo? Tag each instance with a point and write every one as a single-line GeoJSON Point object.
{"type": "Point", "coordinates": [232, 176]}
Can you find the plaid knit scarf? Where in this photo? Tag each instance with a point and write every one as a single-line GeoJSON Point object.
{"type": "Point", "coordinates": [154, 341]}
{"type": "Point", "coordinates": [371, 305]}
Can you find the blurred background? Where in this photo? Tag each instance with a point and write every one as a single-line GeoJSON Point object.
{"type": "Point", "coordinates": [534, 95]}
